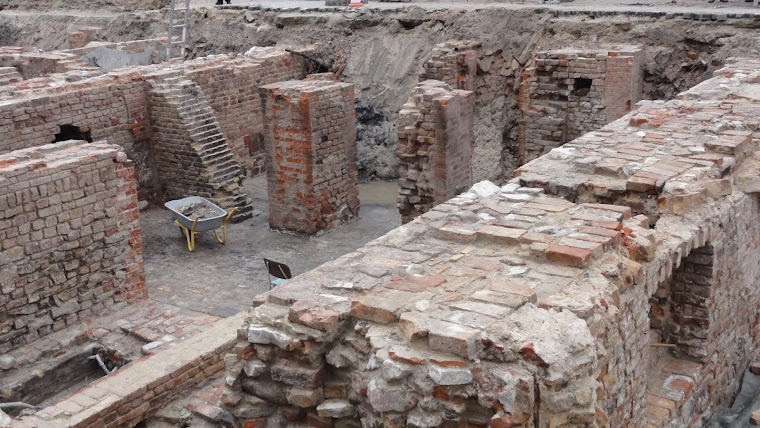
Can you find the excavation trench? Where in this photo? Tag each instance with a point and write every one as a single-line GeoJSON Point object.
{"type": "Point", "coordinates": [525, 69]}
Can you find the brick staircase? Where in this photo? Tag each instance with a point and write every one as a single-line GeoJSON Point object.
{"type": "Point", "coordinates": [9, 75]}
{"type": "Point", "coordinates": [194, 157]}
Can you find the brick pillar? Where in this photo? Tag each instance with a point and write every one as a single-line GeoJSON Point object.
{"type": "Point", "coordinates": [622, 83]}
{"type": "Point", "coordinates": [128, 223]}
{"type": "Point", "coordinates": [310, 140]}
{"type": "Point", "coordinates": [435, 147]}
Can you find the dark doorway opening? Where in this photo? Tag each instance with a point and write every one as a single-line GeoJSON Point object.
{"type": "Point", "coordinates": [71, 132]}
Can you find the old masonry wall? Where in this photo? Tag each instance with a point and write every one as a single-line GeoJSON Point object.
{"type": "Point", "coordinates": [530, 303]}
{"type": "Point", "coordinates": [71, 244]}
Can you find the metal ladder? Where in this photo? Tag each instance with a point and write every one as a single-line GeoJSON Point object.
{"type": "Point", "coordinates": [176, 39]}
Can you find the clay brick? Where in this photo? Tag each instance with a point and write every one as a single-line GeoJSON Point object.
{"type": "Point", "coordinates": [298, 375]}
{"type": "Point", "coordinates": [383, 308]}
{"type": "Point", "coordinates": [641, 184]}
{"type": "Point", "coordinates": [500, 235]}
{"type": "Point", "coordinates": [314, 316]}
{"type": "Point", "coordinates": [570, 256]}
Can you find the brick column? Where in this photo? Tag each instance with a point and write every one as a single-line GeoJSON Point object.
{"type": "Point", "coordinates": [310, 140]}
{"type": "Point", "coordinates": [435, 147]}
{"type": "Point", "coordinates": [622, 83]}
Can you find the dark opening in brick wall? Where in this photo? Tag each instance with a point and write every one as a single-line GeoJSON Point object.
{"type": "Point", "coordinates": [680, 337]}
{"type": "Point", "coordinates": [581, 87]}
{"type": "Point", "coordinates": [71, 132]}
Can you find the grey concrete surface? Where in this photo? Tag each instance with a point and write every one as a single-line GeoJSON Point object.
{"type": "Point", "coordinates": [111, 59]}
{"type": "Point", "coordinates": [221, 279]}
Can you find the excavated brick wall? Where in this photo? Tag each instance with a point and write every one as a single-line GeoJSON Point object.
{"type": "Point", "coordinates": [112, 108]}
{"type": "Point", "coordinates": [310, 138]}
{"type": "Point", "coordinates": [71, 244]}
{"type": "Point", "coordinates": [191, 154]}
{"type": "Point", "coordinates": [232, 91]}
{"type": "Point", "coordinates": [454, 62]}
{"type": "Point", "coordinates": [435, 147]}
{"type": "Point", "coordinates": [529, 304]}
{"type": "Point", "coordinates": [571, 93]}
{"type": "Point", "coordinates": [116, 107]}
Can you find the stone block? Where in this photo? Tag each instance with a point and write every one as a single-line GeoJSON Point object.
{"type": "Point", "coordinates": [336, 408]}
{"type": "Point", "coordinates": [449, 375]}
{"type": "Point", "coordinates": [453, 338]}
{"type": "Point", "coordinates": [298, 375]}
{"type": "Point", "coordinates": [570, 256]}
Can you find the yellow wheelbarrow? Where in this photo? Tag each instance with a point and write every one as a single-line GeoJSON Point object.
{"type": "Point", "coordinates": [196, 214]}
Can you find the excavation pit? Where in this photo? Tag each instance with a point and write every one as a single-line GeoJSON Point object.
{"type": "Point", "coordinates": [542, 296]}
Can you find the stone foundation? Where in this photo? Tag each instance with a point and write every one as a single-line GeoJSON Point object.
{"type": "Point", "coordinates": [71, 244]}
{"type": "Point", "coordinates": [570, 93]}
{"type": "Point", "coordinates": [435, 147]}
{"type": "Point", "coordinates": [310, 138]}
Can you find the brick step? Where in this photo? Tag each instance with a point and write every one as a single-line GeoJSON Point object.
{"type": "Point", "coordinates": [243, 204]}
{"type": "Point", "coordinates": [225, 175]}
{"type": "Point", "coordinates": [226, 169]}
{"type": "Point", "coordinates": [208, 141]}
{"type": "Point", "coordinates": [189, 103]}
{"type": "Point", "coordinates": [207, 133]}
{"type": "Point", "coordinates": [196, 110]}
{"type": "Point", "coordinates": [202, 127]}
{"type": "Point", "coordinates": [220, 161]}
{"type": "Point", "coordinates": [228, 176]}
{"type": "Point", "coordinates": [185, 97]}
{"type": "Point", "coordinates": [196, 115]}
{"type": "Point", "coordinates": [213, 151]}
{"type": "Point", "coordinates": [210, 144]}
{"type": "Point", "coordinates": [223, 170]}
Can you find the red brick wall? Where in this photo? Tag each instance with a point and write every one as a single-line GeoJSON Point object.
{"type": "Point", "coordinates": [70, 237]}
{"type": "Point", "coordinates": [558, 108]}
{"type": "Point", "coordinates": [453, 62]}
{"type": "Point", "coordinates": [113, 109]}
{"type": "Point", "coordinates": [310, 138]}
{"type": "Point", "coordinates": [116, 107]}
{"type": "Point", "coordinates": [622, 83]}
{"type": "Point", "coordinates": [232, 91]}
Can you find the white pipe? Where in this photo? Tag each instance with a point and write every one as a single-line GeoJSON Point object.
{"type": "Point", "coordinates": [102, 366]}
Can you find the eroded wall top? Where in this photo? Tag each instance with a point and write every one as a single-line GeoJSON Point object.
{"type": "Point", "coordinates": [509, 305]}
